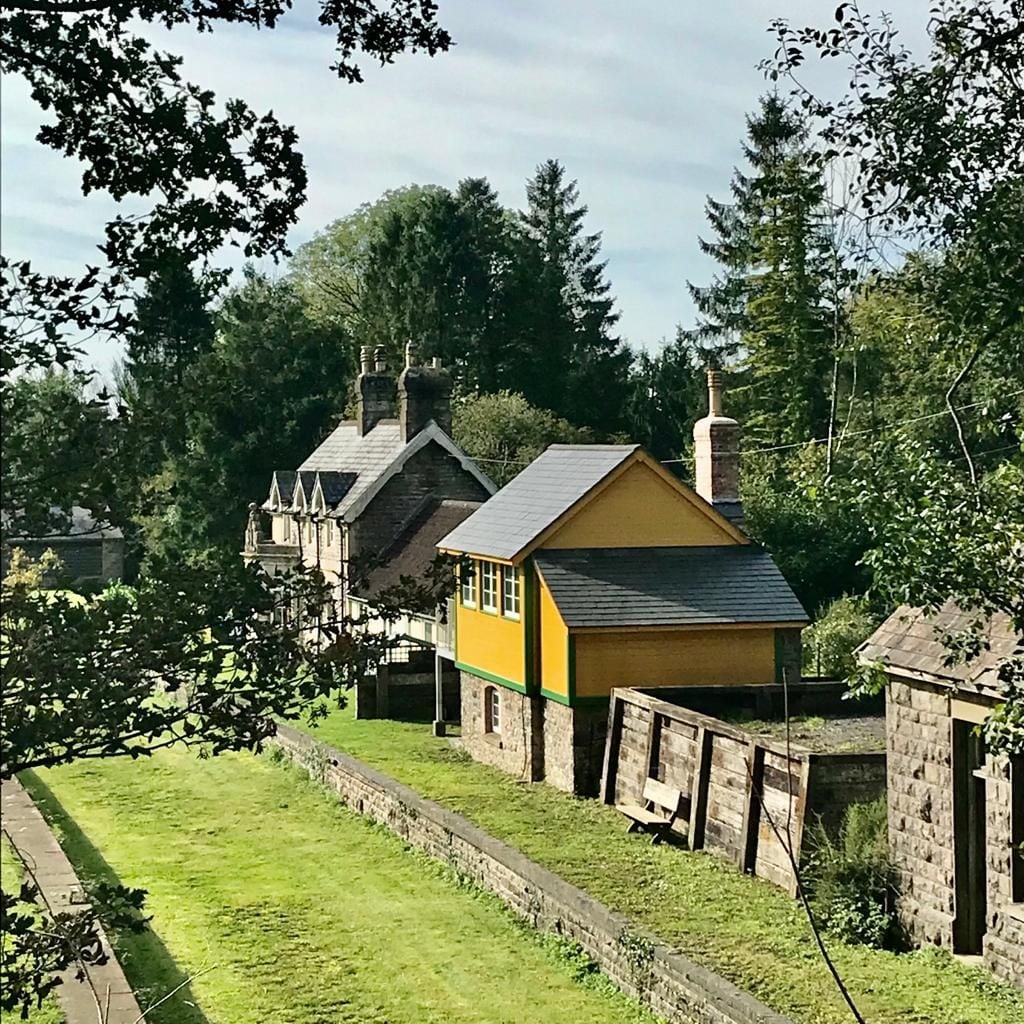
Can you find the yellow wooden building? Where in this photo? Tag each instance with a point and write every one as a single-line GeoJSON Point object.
{"type": "Point", "coordinates": [597, 568]}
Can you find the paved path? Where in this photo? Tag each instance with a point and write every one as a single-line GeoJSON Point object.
{"type": "Point", "coordinates": [60, 885]}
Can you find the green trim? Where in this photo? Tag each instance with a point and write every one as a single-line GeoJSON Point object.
{"type": "Point", "coordinates": [529, 603]}
{"type": "Point", "coordinates": [490, 677]}
{"type": "Point", "coordinates": [558, 698]}
{"type": "Point", "coordinates": [591, 702]}
{"type": "Point", "coordinates": [570, 666]}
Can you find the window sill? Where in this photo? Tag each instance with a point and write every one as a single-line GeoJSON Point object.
{"type": "Point", "coordinates": [511, 618]}
{"type": "Point", "coordinates": [494, 739]}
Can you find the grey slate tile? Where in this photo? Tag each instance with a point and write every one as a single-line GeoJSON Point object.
{"type": "Point", "coordinates": [530, 503]}
{"type": "Point", "coordinates": [668, 586]}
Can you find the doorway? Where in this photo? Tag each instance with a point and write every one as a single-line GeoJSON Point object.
{"type": "Point", "coordinates": [969, 838]}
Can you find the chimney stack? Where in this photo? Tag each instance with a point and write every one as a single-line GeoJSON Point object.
{"type": "Point", "coordinates": [716, 443]}
{"type": "Point", "coordinates": [376, 391]}
{"type": "Point", "coordinates": [424, 394]}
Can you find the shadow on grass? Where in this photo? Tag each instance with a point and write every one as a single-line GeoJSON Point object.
{"type": "Point", "coordinates": [147, 963]}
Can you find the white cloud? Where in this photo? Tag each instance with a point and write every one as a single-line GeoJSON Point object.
{"type": "Point", "coordinates": [644, 102]}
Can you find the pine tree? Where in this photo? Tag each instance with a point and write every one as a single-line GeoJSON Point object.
{"type": "Point", "coordinates": [769, 305]}
{"type": "Point", "coordinates": [574, 365]}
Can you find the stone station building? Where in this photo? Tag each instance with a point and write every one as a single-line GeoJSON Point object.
{"type": "Point", "coordinates": [956, 810]}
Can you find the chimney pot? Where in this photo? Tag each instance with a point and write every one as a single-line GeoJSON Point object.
{"type": "Point", "coordinates": [436, 362]}
{"type": "Point", "coordinates": [410, 354]}
{"type": "Point", "coordinates": [714, 392]}
{"type": "Point", "coordinates": [379, 362]}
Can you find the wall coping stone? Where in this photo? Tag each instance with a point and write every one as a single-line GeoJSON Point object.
{"type": "Point", "coordinates": [35, 842]}
{"type": "Point", "coordinates": [695, 993]}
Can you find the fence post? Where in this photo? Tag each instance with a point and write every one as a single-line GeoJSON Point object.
{"type": "Point", "coordinates": [616, 709]}
{"type": "Point", "coordinates": [699, 789]}
{"type": "Point", "coordinates": [752, 810]}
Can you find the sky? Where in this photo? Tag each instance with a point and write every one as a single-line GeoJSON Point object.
{"type": "Point", "coordinates": [644, 103]}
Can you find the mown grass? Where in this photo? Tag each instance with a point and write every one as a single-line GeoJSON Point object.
{"type": "Point", "coordinates": [743, 927]}
{"type": "Point", "coordinates": [299, 911]}
{"type": "Point", "coordinates": [11, 874]}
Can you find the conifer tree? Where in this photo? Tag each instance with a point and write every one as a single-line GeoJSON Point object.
{"type": "Point", "coordinates": [768, 307]}
{"type": "Point", "coordinates": [576, 366]}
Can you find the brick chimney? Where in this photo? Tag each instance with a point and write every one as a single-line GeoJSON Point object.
{"type": "Point", "coordinates": [716, 443]}
{"type": "Point", "coordinates": [424, 394]}
{"type": "Point", "coordinates": [376, 391]}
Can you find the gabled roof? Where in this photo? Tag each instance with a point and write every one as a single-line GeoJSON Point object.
{"type": "Point", "coordinates": [365, 456]}
{"type": "Point", "coordinates": [512, 521]}
{"type": "Point", "coordinates": [282, 482]}
{"type": "Point", "coordinates": [677, 586]}
{"type": "Point", "coordinates": [302, 494]}
{"type": "Point", "coordinates": [910, 642]}
{"type": "Point", "coordinates": [333, 486]}
{"type": "Point", "coordinates": [368, 461]}
{"type": "Point", "coordinates": [546, 489]}
{"type": "Point", "coordinates": [413, 550]}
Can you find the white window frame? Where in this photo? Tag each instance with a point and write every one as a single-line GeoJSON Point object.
{"type": "Point", "coordinates": [330, 531]}
{"type": "Point", "coordinates": [468, 588]}
{"type": "Point", "coordinates": [510, 595]}
{"type": "Point", "coordinates": [492, 710]}
{"type": "Point", "coordinates": [489, 587]}
{"type": "Point", "coordinates": [287, 528]}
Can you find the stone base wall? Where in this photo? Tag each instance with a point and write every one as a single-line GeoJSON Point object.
{"type": "Point", "coordinates": [513, 749]}
{"type": "Point", "coordinates": [540, 740]}
{"type": "Point", "coordinates": [674, 987]}
{"type": "Point", "coordinates": [921, 828]}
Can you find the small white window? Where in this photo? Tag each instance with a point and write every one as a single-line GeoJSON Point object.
{"type": "Point", "coordinates": [330, 532]}
{"type": "Point", "coordinates": [488, 586]}
{"type": "Point", "coordinates": [510, 592]}
{"type": "Point", "coordinates": [309, 530]}
{"type": "Point", "coordinates": [468, 587]}
{"type": "Point", "coordinates": [492, 709]}
{"type": "Point", "coordinates": [287, 528]}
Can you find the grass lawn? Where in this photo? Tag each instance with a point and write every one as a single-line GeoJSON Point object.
{"type": "Point", "coordinates": [10, 877]}
{"type": "Point", "coordinates": [303, 912]}
{"type": "Point", "coordinates": [743, 927]}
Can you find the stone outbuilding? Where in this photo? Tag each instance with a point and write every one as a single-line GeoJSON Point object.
{"type": "Point", "coordinates": [91, 551]}
{"type": "Point", "coordinates": [956, 810]}
{"type": "Point", "coordinates": [596, 568]}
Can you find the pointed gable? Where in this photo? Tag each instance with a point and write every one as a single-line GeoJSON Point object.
{"type": "Point", "coordinates": [591, 496]}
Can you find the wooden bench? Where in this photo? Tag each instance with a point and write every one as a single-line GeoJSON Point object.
{"type": "Point", "coordinates": [662, 805]}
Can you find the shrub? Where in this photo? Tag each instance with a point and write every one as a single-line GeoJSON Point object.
{"type": "Point", "coordinates": [852, 882]}
{"type": "Point", "coordinates": [829, 643]}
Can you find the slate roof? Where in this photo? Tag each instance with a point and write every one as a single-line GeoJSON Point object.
{"type": "Point", "coordinates": [911, 640]}
{"type": "Point", "coordinates": [415, 547]}
{"type": "Point", "coordinates": [78, 524]}
{"type": "Point", "coordinates": [676, 586]}
{"type": "Point", "coordinates": [530, 503]}
{"type": "Point", "coordinates": [285, 479]}
{"type": "Point", "coordinates": [363, 457]}
{"type": "Point", "coordinates": [335, 485]}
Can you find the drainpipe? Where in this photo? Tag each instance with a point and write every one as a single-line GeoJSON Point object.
{"type": "Point", "coordinates": [438, 680]}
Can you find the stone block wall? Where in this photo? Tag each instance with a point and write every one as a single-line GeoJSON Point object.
{"type": "Point", "coordinates": [920, 791]}
{"type": "Point", "coordinates": [540, 739]}
{"type": "Point", "coordinates": [921, 828]}
{"type": "Point", "coordinates": [514, 748]}
{"type": "Point", "coordinates": [674, 987]}
{"type": "Point", "coordinates": [429, 472]}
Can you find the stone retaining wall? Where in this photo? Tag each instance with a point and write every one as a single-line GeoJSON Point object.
{"type": "Point", "coordinates": [63, 892]}
{"type": "Point", "coordinates": [672, 986]}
